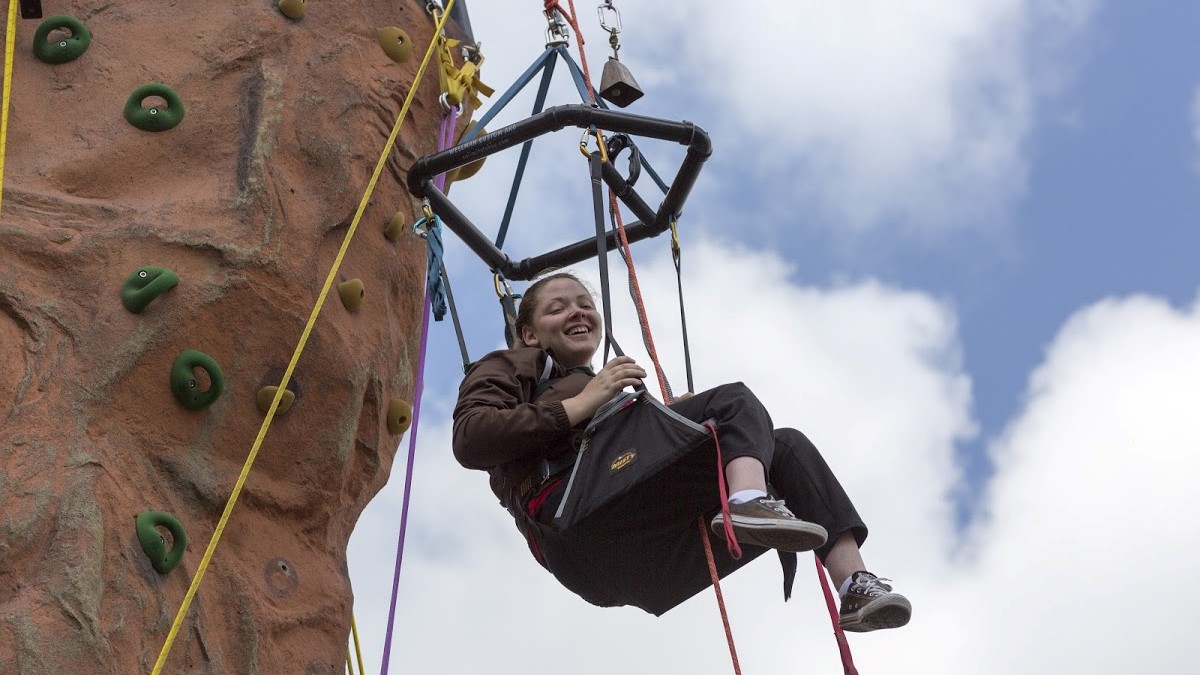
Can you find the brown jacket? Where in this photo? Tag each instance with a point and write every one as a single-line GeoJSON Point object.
{"type": "Point", "coordinates": [500, 427]}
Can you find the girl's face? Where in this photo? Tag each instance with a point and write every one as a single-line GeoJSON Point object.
{"type": "Point", "coordinates": [565, 323]}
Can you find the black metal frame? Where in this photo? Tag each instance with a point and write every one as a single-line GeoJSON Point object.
{"type": "Point", "coordinates": [651, 222]}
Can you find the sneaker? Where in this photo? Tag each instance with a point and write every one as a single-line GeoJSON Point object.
{"type": "Point", "coordinates": [870, 604]}
{"type": "Point", "coordinates": [767, 522]}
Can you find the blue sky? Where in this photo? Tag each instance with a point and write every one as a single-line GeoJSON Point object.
{"type": "Point", "coordinates": [956, 243]}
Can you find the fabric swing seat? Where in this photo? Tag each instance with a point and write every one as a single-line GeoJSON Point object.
{"type": "Point", "coordinates": [625, 528]}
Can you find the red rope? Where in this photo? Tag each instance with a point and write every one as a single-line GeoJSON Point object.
{"type": "Point", "coordinates": [731, 541]}
{"type": "Point", "coordinates": [716, 580]}
{"type": "Point", "coordinates": [553, 5]}
{"type": "Point", "coordinates": [843, 646]}
{"type": "Point", "coordinates": [638, 302]}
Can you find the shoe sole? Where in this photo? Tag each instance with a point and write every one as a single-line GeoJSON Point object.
{"type": "Point", "coordinates": [888, 611]}
{"type": "Point", "coordinates": [795, 536]}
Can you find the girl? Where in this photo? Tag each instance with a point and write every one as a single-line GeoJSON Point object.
{"type": "Point", "coordinates": [520, 416]}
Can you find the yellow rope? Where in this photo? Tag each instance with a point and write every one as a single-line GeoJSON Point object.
{"type": "Point", "coordinates": [357, 647]}
{"type": "Point", "coordinates": [10, 39]}
{"type": "Point", "coordinates": [287, 375]}
{"type": "Point", "coordinates": [349, 666]}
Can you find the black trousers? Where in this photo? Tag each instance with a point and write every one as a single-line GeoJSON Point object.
{"type": "Point", "coordinates": [645, 549]}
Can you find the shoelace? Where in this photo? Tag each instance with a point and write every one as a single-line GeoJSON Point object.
{"type": "Point", "coordinates": [872, 587]}
{"type": "Point", "coordinates": [777, 506]}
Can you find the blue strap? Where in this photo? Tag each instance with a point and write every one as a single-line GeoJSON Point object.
{"type": "Point", "coordinates": [435, 288]}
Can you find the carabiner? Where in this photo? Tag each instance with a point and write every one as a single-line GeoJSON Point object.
{"type": "Point", "coordinates": [497, 279]}
{"type": "Point", "coordinates": [444, 99]}
{"type": "Point", "coordinates": [615, 26]}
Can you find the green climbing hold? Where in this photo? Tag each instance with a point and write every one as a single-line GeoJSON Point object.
{"type": "Point", "coordinates": [183, 380]}
{"type": "Point", "coordinates": [64, 49]}
{"type": "Point", "coordinates": [154, 545]}
{"type": "Point", "coordinates": [144, 285]}
{"type": "Point", "coordinates": [154, 118]}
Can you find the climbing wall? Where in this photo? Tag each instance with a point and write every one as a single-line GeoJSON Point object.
{"type": "Point", "coordinates": [160, 251]}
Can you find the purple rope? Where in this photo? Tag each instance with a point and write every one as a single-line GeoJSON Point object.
{"type": "Point", "coordinates": [445, 137]}
{"type": "Point", "coordinates": [408, 474]}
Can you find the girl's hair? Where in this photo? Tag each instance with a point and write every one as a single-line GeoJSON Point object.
{"type": "Point", "coordinates": [529, 303]}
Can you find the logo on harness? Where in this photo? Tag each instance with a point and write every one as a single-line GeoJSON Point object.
{"type": "Point", "coordinates": [623, 461]}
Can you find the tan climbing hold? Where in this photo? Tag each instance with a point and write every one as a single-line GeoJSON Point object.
{"type": "Point", "coordinates": [267, 394]}
{"type": "Point", "coordinates": [399, 416]}
{"type": "Point", "coordinates": [395, 42]}
{"type": "Point", "coordinates": [396, 226]}
{"type": "Point", "coordinates": [352, 293]}
{"type": "Point", "coordinates": [292, 9]}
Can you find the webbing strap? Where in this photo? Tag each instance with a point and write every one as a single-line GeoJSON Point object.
{"type": "Point", "coordinates": [594, 164]}
{"type": "Point", "coordinates": [458, 331]}
{"type": "Point", "coordinates": [539, 103]}
{"type": "Point", "coordinates": [287, 375]}
{"type": "Point", "coordinates": [10, 39]}
{"type": "Point", "coordinates": [677, 257]}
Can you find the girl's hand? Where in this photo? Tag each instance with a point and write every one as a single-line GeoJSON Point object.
{"type": "Point", "coordinates": [617, 374]}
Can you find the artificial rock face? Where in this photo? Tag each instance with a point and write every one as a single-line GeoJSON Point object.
{"type": "Point", "coordinates": [245, 201]}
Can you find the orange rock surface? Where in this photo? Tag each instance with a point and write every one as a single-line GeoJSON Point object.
{"type": "Point", "coordinates": [247, 200]}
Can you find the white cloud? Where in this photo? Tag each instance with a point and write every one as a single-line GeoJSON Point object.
{"type": "Point", "coordinates": [914, 113]}
{"type": "Point", "coordinates": [1081, 565]}
{"type": "Point", "coordinates": [1092, 504]}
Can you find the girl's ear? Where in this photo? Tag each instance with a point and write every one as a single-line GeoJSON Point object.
{"type": "Point", "coordinates": [529, 337]}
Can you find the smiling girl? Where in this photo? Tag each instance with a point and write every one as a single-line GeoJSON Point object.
{"type": "Point", "coordinates": [521, 414]}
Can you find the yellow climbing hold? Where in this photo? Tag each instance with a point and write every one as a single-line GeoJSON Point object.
{"type": "Point", "coordinates": [395, 42]}
{"type": "Point", "coordinates": [399, 416]}
{"type": "Point", "coordinates": [352, 293]}
{"type": "Point", "coordinates": [292, 9]}
{"type": "Point", "coordinates": [466, 171]}
{"type": "Point", "coordinates": [267, 394]}
{"type": "Point", "coordinates": [395, 226]}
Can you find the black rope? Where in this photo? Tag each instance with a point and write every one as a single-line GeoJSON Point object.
{"type": "Point", "coordinates": [594, 163]}
{"type": "Point", "coordinates": [687, 352]}
{"type": "Point", "coordinates": [462, 342]}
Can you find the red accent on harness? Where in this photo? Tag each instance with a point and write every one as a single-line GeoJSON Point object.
{"type": "Point", "coordinates": [533, 507]}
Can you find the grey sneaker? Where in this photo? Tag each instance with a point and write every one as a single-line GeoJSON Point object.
{"type": "Point", "coordinates": [767, 522]}
{"type": "Point", "coordinates": [871, 605]}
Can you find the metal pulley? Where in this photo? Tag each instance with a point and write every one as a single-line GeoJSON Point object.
{"type": "Point", "coordinates": [617, 84]}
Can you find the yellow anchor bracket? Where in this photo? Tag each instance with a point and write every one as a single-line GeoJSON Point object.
{"type": "Point", "coordinates": [461, 84]}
